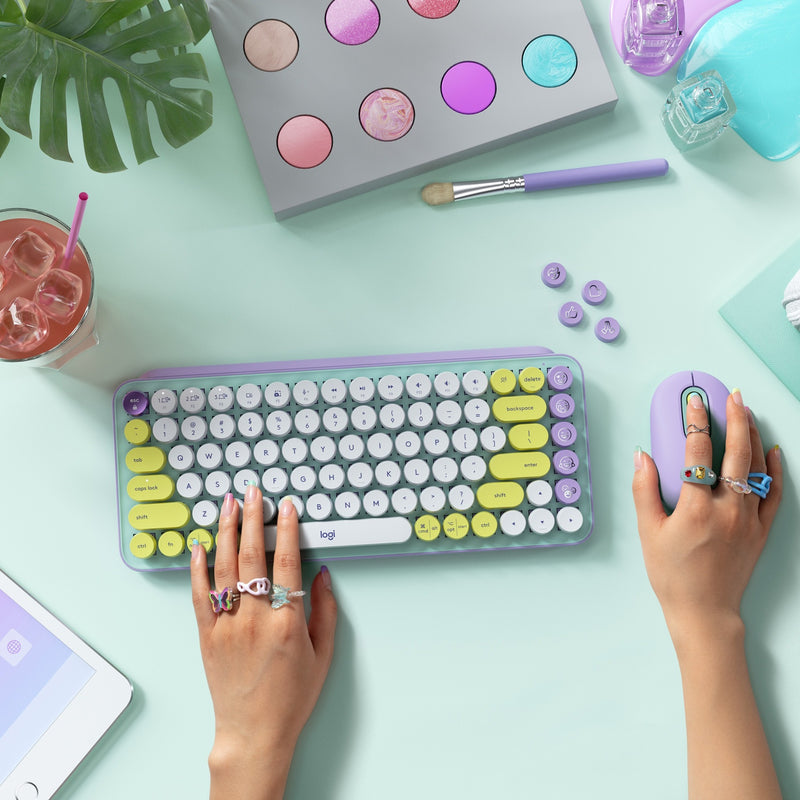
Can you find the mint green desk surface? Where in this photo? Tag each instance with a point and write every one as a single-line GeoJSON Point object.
{"type": "Point", "coordinates": [546, 674]}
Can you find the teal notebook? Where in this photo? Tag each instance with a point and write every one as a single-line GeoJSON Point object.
{"type": "Point", "coordinates": [756, 313]}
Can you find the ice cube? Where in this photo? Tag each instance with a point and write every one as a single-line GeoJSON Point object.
{"type": "Point", "coordinates": [23, 326]}
{"type": "Point", "coordinates": [31, 254]}
{"type": "Point", "coordinates": [59, 294]}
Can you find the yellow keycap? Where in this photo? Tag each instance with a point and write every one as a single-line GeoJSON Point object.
{"type": "Point", "coordinates": [484, 524]}
{"type": "Point", "coordinates": [203, 537]}
{"type": "Point", "coordinates": [137, 431]}
{"type": "Point", "coordinates": [143, 545]}
{"type": "Point", "coordinates": [158, 516]}
{"type": "Point", "coordinates": [528, 436]}
{"type": "Point", "coordinates": [531, 379]}
{"type": "Point", "coordinates": [171, 544]}
{"type": "Point", "coordinates": [427, 527]}
{"type": "Point", "coordinates": [149, 488]}
{"type": "Point", "coordinates": [503, 381]}
{"type": "Point", "coordinates": [145, 459]}
{"type": "Point", "coordinates": [520, 408]}
{"type": "Point", "coordinates": [500, 495]}
{"type": "Point", "coordinates": [513, 466]}
{"type": "Point", "coordinates": [455, 526]}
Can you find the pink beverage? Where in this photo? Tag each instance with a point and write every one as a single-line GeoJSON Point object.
{"type": "Point", "coordinates": [47, 307]}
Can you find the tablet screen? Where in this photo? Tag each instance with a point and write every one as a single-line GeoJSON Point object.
{"type": "Point", "coordinates": [39, 677]}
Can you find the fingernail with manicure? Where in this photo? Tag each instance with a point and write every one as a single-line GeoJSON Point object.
{"type": "Point", "coordinates": [251, 492]}
{"type": "Point", "coordinates": [227, 505]}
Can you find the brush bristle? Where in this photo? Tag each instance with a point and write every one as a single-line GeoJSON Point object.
{"type": "Point", "coordinates": [438, 194]}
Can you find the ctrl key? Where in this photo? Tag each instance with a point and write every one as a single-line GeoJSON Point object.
{"type": "Point", "coordinates": [143, 545]}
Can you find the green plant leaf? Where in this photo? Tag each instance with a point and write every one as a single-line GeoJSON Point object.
{"type": "Point", "coordinates": [137, 45]}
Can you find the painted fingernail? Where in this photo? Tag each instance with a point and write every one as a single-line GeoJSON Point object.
{"type": "Point", "coordinates": [638, 461]}
{"type": "Point", "coordinates": [286, 507]}
{"type": "Point", "coordinates": [326, 576]}
{"type": "Point", "coordinates": [737, 397]}
{"type": "Point", "coordinates": [227, 505]}
{"type": "Point", "coordinates": [196, 547]}
{"type": "Point", "coordinates": [251, 492]}
{"type": "Point", "coordinates": [695, 400]}
{"type": "Point", "coordinates": [777, 451]}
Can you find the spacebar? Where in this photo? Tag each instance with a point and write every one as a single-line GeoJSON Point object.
{"type": "Point", "coordinates": [347, 532]}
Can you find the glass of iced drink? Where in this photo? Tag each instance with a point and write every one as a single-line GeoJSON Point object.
{"type": "Point", "coordinates": [47, 303]}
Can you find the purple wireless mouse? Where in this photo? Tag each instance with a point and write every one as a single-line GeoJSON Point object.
{"type": "Point", "coordinates": [668, 426]}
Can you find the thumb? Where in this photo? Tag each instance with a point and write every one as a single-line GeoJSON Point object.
{"type": "Point", "coordinates": [646, 497]}
{"type": "Point", "coordinates": [322, 620]}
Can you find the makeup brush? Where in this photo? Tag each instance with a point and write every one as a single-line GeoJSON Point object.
{"type": "Point", "coordinates": [437, 194]}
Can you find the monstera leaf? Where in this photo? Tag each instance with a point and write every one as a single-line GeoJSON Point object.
{"type": "Point", "coordinates": [140, 46]}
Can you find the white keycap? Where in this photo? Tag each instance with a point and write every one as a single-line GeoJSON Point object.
{"type": "Point", "coordinates": [404, 501]}
{"type": "Point", "coordinates": [243, 478]}
{"type": "Point", "coordinates": [512, 522]}
{"type": "Point", "coordinates": [248, 396]}
{"type": "Point", "coordinates": [189, 485]}
{"type": "Point", "coordinates": [334, 392]}
{"type": "Point", "coordinates": [445, 470]}
{"type": "Point", "coordinates": [306, 421]}
{"type": "Point", "coordinates": [218, 483]}
{"type": "Point", "coordinates": [165, 430]}
{"type": "Point", "coordinates": [390, 388]}
{"type": "Point", "coordinates": [322, 449]}
{"type": "Point", "coordinates": [305, 392]}
{"type": "Point", "coordinates": [359, 475]}
{"type": "Point", "coordinates": [465, 440]}
{"type": "Point", "coordinates": [222, 426]}
{"type": "Point", "coordinates": [362, 390]}
{"type": "Point", "coordinates": [303, 479]}
{"type": "Point", "coordinates": [407, 443]}
{"type": "Point", "coordinates": [541, 520]}
{"type": "Point", "coordinates": [473, 468]}
{"type": "Point", "coordinates": [319, 506]}
{"type": "Point", "coordinates": [392, 416]}
{"type": "Point", "coordinates": [420, 415]}
{"type": "Point", "coordinates": [344, 533]}
{"type": "Point", "coordinates": [475, 383]}
{"type": "Point", "coordinates": [476, 411]}
{"type": "Point", "coordinates": [279, 423]}
{"type": "Point", "coordinates": [569, 519]}
{"type": "Point", "coordinates": [277, 394]}
{"type": "Point", "coordinates": [221, 398]}
{"type": "Point", "coordinates": [363, 418]}
{"type": "Point", "coordinates": [192, 399]}
{"type": "Point", "coordinates": [448, 413]}
{"type": "Point", "coordinates": [432, 499]}
{"type": "Point", "coordinates": [331, 477]}
{"type": "Point", "coordinates": [436, 441]}
{"type": "Point", "coordinates": [164, 401]}
{"type": "Point", "coordinates": [205, 514]}
{"type": "Point", "coordinates": [418, 386]}
{"type": "Point", "coordinates": [379, 445]}
{"type": "Point", "coordinates": [181, 457]}
{"type": "Point", "coordinates": [388, 473]}
{"type": "Point", "coordinates": [416, 471]}
{"type": "Point", "coordinates": [446, 384]}
{"type": "Point", "coordinates": [250, 424]}
{"type": "Point", "coordinates": [274, 480]}
{"type": "Point", "coordinates": [347, 505]}
{"type": "Point", "coordinates": [209, 456]}
{"type": "Point", "coordinates": [335, 420]}
{"type": "Point", "coordinates": [351, 447]}
{"type": "Point", "coordinates": [294, 450]}
{"type": "Point", "coordinates": [194, 428]}
{"type": "Point", "coordinates": [266, 452]}
{"type": "Point", "coordinates": [237, 454]}
{"type": "Point", "coordinates": [539, 493]}
{"type": "Point", "coordinates": [493, 438]}
{"type": "Point", "coordinates": [461, 497]}
{"type": "Point", "coordinates": [376, 503]}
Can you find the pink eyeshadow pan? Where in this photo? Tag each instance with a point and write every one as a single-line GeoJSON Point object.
{"type": "Point", "coordinates": [433, 9]}
{"type": "Point", "coordinates": [352, 21]}
{"type": "Point", "coordinates": [304, 141]}
{"type": "Point", "coordinates": [386, 114]}
{"type": "Point", "coordinates": [271, 45]}
{"type": "Point", "coordinates": [468, 87]}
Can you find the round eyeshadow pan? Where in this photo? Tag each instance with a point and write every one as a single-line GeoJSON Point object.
{"type": "Point", "coordinates": [468, 87]}
{"type": "Point", "coordinates": [549, 61]}
{"type": "Point", "coordinates": [352, 21]}
{"type": "Point", "coordinates": [271, 45]}
{"type": "Point", "coordinates": [386, 114]}
{"type": "Point", "coordinates": [433, 9]}
{"type": "Point", "coordinates": [304, 141]}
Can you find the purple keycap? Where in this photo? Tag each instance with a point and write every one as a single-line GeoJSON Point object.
{"type": "Point", "coordinates": [135, 403]}
{"type": "Point", "coordinates": [594, 292]}
{"type": "Point", "coordinates": [563, 434]}
{"type": "Point", "coordinates": [554, 274]}
{"type": "Point", "coordinates": [561, 405]}
{"type": "Point", "coordinates": [568, 491]}
{"type": "Point", "coordinates": [570, 314]}
{"type": "Point", "coordinates": [559, 378]}
{"type": "Point", "coordinates": [607, 329]}
{"type": "Point", "coordinates": [566, 462]}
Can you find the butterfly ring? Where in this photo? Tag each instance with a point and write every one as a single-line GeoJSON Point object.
{"type": "Point", "coordinates": [224, 600]}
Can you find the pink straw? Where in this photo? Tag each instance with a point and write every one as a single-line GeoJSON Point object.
{"type": "Point", "coordinates": [76, 226]}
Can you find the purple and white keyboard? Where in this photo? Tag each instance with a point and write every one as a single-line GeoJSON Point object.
{"type": "Point", "coordinates": [391, 455]}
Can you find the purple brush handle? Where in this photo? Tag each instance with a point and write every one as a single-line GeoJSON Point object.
{"type": "Point", "coordinates": [607, 173]}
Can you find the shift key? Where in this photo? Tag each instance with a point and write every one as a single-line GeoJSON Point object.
{"type": "Point", "coordinates": [158, 516]}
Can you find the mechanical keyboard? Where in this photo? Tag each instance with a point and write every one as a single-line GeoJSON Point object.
{"type": "Point", "coordinates": [390, 455]}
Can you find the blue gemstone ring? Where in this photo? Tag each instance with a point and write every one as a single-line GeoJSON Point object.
{"type": "Point", "coordinates": [759, 482]}
{"type": "Point", "coordinates": [281, 596]}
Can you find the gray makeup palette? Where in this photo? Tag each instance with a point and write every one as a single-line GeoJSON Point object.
{"type": "Point", "coordinates": [344, 96]}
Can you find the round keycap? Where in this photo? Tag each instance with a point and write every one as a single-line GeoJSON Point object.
{"type": "Point", "coordinates": [594, 292]}
{"type": "Point", "coordinates": [559, 378]}
{"type": "Point", "coordinates": [135, 403]}
{"type": "Point", "coordinates": [570, 314]}
{"type": "Point", "coordinates": [563, 434]}
{"type": "Point", "coordinates": [562, 405]}
{"type": "Point", "coordinates": [554, 275]}
{"type": "Point", "coordinates": [607, 330]}
{"type": "Point", "coordinates": [568, 491]}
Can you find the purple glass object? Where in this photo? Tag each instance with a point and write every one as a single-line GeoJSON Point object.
{"type": "Point", "coordinates": [135, 403]}
{"type": "Point", "coordinates": [352, 22]}
{"type": "Point", "coordinates": [468, 87]}
{"type": "Point", "coordinates": [563, 434]}
{"type": "Point", "coordinates": [566, 462]}
{"type": "Point", "coordinates": [570, 314]}
{"type": "Point", "coordinates": [559, 378]}
{"type": "Point", "coordinates": [568, 490]}
{"type": "Point", "coordinates": [607, 330]}
{"type": "Point", "coordinates": [562, 405]}
{"type": "Point", "coordinates": [594, 292]}
{"type": "Point", "coordinates": [554, 275]}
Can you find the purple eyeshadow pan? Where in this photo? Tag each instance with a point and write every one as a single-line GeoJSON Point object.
{"type": "Point", "coordinates": [352, 21]}
{"type": "Point", "coordinates": [386, 114]}
{"type": "Point", "coordinates": [468, 87]}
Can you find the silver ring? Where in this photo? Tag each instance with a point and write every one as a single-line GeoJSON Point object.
{"type": "Point", "coordinates": [692, 428]}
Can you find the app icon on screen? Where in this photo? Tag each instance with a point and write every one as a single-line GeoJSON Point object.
{"type": "Point", "coordinates": [14, 647]}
